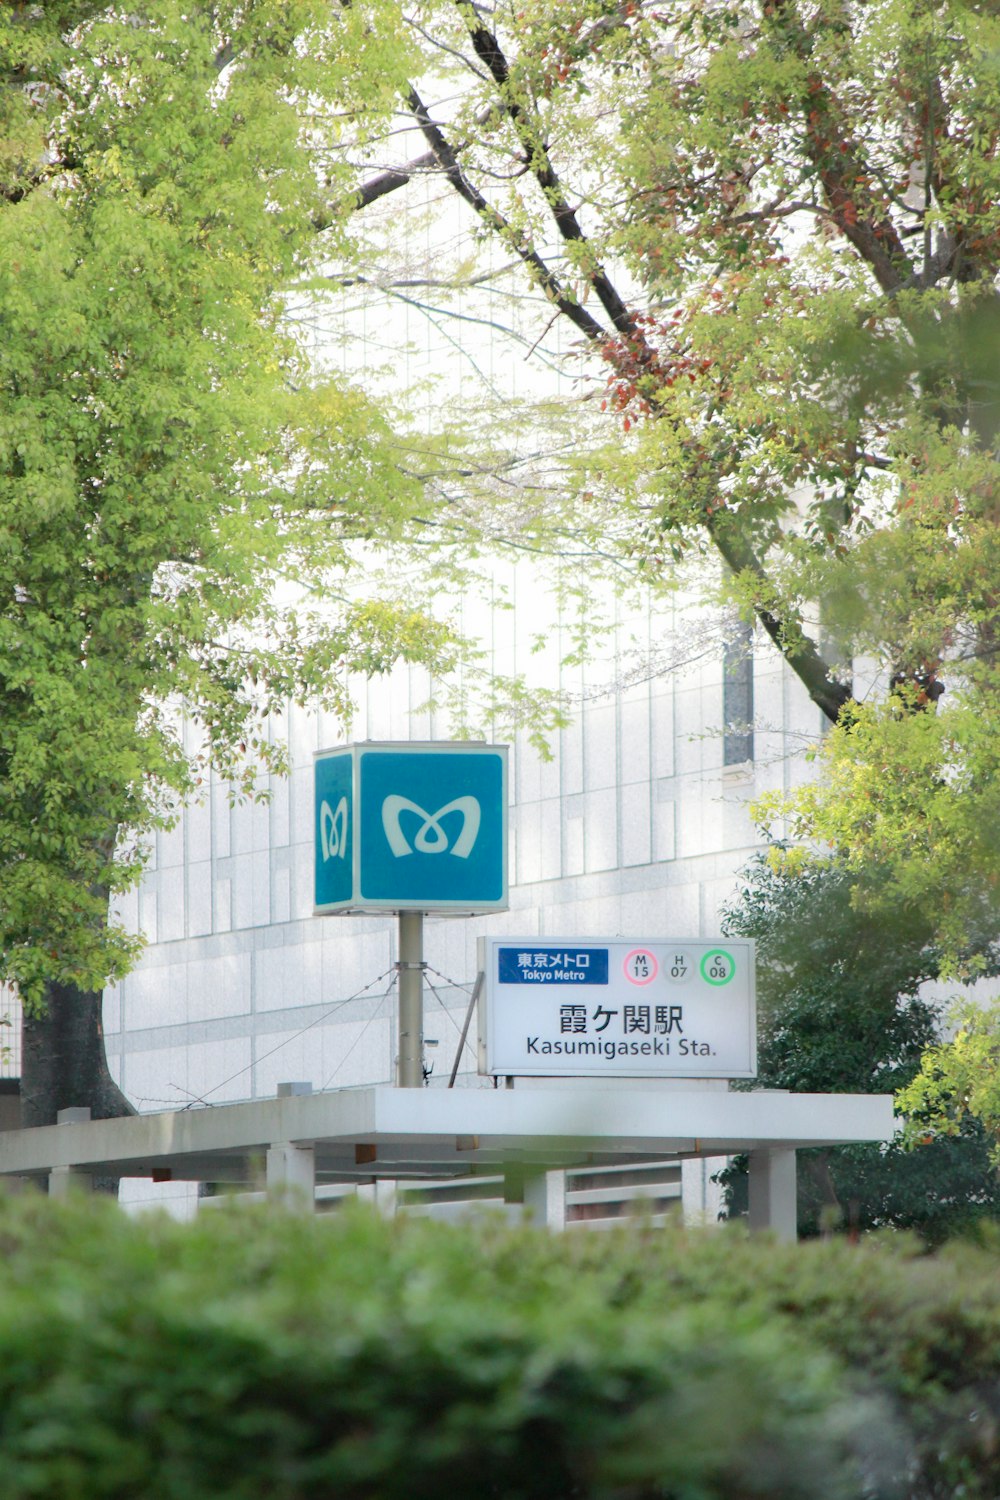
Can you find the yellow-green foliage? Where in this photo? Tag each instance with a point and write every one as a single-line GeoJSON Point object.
{"type": "Point", "coordinates": [167, 460]}
{"type": "Point", "coordinates": [958, 1080]}
{"type": "Point", "coordinates": [915, 795]}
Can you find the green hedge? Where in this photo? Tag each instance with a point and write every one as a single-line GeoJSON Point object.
{"type": "Point", "coordinates": [258, 1356]}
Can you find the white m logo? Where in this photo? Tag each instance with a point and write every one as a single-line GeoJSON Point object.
{"type": "Point", "coordinates": [333, 830]}
{"type": "Point", "coordinates": [430, 837]}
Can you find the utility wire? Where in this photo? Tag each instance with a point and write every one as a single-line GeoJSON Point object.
{"type": "Point", "coordinates": [363, 1032]}
{"type": "Point", "coordinates": [339, 1005]}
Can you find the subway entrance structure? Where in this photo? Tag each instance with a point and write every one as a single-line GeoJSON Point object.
{"type": "Point", "coordinates": [602, 1052]}
{"type": "Point", "coordinates": [384, 1136]}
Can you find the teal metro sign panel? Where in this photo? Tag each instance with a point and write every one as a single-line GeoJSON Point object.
{"type": "Point", "coordinates": [411, 827]}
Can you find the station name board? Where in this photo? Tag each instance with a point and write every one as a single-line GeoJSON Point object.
{"type": "Point", "coordinates": [667, 1008]}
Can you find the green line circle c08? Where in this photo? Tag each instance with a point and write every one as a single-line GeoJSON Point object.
{"type": "Point", "coordinates": [708, 958]}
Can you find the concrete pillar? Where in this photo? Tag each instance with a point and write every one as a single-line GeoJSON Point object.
{"type": "Point", "coordinates": [542, 1194]}
{"type": "Point", "coordinates": [545, 1198]}
{"type": "Point", "coordinates": [291, 1172]}
{"type": "Point", "coordinates": [66, 1180]}
{"type": "Point", "coordinates": [381, 1194]}
{"type": "Point", "coordinates": [773, 1200]}
{"type": "Point", "coordinates": [385, 1197]}
{"type": "Point", "coordinates": [701, 1198]}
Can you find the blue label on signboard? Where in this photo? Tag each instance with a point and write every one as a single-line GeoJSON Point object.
{"type": "Point", "coordinates": [334, 831]}
{"type": "Point", "coordinates": [542, 965]}
{"type": "Point", "coordinates": [432, 826]}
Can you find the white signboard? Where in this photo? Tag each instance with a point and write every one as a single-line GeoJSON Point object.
{"type": "Point", "coordinates": [663, 1008]}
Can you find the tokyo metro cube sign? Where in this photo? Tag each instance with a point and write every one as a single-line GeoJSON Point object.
{"type": "Point", "coordinates": [409, 826]}
{"type": "Point", "coordinates": [599, 1007]}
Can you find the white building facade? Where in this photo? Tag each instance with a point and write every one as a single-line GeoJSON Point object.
{"type": "Point", "coordinates": [637, 826]}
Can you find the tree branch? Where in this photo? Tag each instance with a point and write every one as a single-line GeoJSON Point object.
{"type": "Point", "coordinates": [826, 692]}
{"type": "Point", "coordinates": [489, 51]}
{"type": "Point", "coordinates": [799, 652]}
{"type": "Point", "coordinates": [840, 167]}
{"type": "Point", "coordinates": [448, 163]}
{"type": "Point", "coordinates": [395, 177]}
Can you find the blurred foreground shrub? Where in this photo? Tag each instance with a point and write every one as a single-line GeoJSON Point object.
{"type": "Point", "coordinates": [256, 1356]}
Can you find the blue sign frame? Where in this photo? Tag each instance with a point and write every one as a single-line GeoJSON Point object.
{"type": "Point", "coordinates": [411, 826]}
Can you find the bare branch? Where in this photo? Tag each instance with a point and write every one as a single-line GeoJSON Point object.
{"type": "Point", "coordinates": [536, 151]}
{"type": "Point", "coordinates": [395, 177]}
{"type": "Point", "coordinates": [388, 283]}
{"type": "Point", "coordinates": [494, 220]}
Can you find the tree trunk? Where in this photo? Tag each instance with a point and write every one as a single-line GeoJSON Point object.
{"type": "Point", "coordinates": [63, 1060]}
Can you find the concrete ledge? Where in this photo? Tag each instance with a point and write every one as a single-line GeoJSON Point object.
{"type": "Point", "coordinates": [432, 1132]}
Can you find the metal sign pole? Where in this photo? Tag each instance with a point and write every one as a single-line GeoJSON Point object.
{"type": "Point", "coordinates": [411, 999]}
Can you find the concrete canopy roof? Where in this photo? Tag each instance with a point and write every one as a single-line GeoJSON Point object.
{"type": "Point", "coordinates": [388, 1132]}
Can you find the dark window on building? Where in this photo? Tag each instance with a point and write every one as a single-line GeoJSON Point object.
{"type": "Point", "coordinates": [737, 697]}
